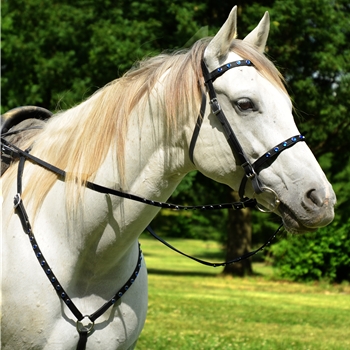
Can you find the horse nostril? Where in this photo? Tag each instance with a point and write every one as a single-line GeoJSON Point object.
{"type": "Point", "coordinates": [315, 197]}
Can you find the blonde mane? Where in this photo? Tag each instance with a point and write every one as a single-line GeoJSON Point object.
{"type": "Point", "coordinates": [79, 139]}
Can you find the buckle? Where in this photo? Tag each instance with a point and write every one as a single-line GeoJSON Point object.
{"type": "Point", "coordinates": [215, 106]}
{"type": "Point", "coordinates": [249, 170]}
{"type": "Point", "coordinates": [17, 200]}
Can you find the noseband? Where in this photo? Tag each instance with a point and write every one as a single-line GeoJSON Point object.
{"type": "Point", "coordinates": [251, 170]}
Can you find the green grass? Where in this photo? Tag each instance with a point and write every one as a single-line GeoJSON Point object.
{"type": "Point", "coordinates": [192, 306]}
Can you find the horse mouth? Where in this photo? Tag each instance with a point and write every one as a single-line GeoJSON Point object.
{"type": "Point", "coordinates": [294, 224]}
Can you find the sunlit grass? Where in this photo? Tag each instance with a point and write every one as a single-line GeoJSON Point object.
{"type": "Point", "coordinates": [194, 307]}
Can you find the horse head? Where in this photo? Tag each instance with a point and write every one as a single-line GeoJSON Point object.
{"type": "Point", "coordinates": [258, 111]}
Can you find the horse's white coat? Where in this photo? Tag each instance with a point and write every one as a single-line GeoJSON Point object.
{"type": "Point", "coordinates": [95, 260]}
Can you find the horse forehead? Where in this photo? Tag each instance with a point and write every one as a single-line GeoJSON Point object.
{"type": "Point", "coordinates": [248, 81]}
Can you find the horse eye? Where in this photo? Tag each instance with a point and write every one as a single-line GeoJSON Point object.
{"type": "Point", "coordinates": [245, 104]}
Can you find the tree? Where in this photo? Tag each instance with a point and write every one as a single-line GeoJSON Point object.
{"type": "Point", "coordinates": [239, 239]}
{"type": "Point", "coordinates": [56, 53]}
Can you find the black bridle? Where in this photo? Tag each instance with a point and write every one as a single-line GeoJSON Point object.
{"type": "Point", "coordinates": [251, 172]}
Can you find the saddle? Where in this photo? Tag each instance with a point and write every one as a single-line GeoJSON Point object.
{"type": "Point", "coordinates": [18, 125]}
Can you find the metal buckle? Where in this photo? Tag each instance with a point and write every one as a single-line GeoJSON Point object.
{"type": "Point", "coordinates": [272, 206]}
{"type": "Point", "coordinates": [215, 106]}
{"type": "Point", "coordinates": [248, 169]}
{"type": "Point", "coordinates": [17, 200]}
{"type": "Point", "coordinates": [88, 328]}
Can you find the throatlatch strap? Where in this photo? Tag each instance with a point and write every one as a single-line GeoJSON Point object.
{"type": "Point", "coordinates": [198, 126]}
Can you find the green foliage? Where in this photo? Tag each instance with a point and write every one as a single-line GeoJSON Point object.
{"type": "Point", "coordinates": [194, 223]}
{"type": "Point", "coordinates": [56, 53]}
{"type": "Point", "coordinates": [324, 255]}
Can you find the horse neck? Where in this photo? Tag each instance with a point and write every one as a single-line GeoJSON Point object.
{"type": "Point", "coordinates": [109, 225]}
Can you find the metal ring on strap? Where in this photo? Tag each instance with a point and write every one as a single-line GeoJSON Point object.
{"type": "Point", "coordinates": [273, 206]}
{"type": "Point", "coordinates": [89, 328]}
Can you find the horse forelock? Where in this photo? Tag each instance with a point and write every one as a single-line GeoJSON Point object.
{"type": "Point", "coordinates": [79, 139]}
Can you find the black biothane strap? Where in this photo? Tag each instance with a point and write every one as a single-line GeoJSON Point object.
{"type": "Point", "coordinates": [14, 151]}
{"type": "Point", "coordinates": [251, 170]}
{"type": "Point", "coordinates": [62, 294]}
{"type": "Point", "coordinates": [208, 263]}
{"type": "Point", "coordinates": [21, 212]}
{"type": "Point", "coordinates": [223, 69]}
{"type": "Point", "coordinates": [269, 157]}
{"type": "Point", "coordinates": [198, 126]}
{"type": "Point", "coordinates": [216, 109]}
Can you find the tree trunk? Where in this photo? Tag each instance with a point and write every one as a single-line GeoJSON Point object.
{"type": "Point", "coordinates": [239, 239]}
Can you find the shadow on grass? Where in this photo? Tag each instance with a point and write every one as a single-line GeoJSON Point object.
{"type": "Point", "coordinates": [209, 256]}
{"type": "Point", "coordinates": [163, 272]}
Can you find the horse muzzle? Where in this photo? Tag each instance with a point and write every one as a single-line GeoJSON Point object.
{"type": "Point", "coordinates": [314, 210]}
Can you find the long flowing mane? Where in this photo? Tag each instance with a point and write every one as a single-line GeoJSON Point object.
{"type": "Point", "coordinates": [78, 140]}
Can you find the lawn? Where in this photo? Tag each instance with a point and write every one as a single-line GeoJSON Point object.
{"type": "Point", "coordinates": [192, 306]}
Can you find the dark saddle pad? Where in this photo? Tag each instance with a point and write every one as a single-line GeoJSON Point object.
{"type": "Point", "coordinates": [20, 124]}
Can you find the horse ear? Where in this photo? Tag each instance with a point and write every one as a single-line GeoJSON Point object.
{"type": "Point", "coordinates": [258, 36]}
{"type": "Point", "coordinates": [219, 46]}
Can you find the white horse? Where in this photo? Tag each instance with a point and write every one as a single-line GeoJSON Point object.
{"type": "Point", "coordinates": [135, 135]}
